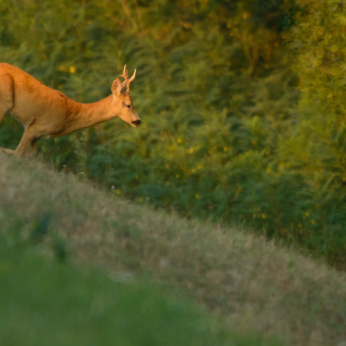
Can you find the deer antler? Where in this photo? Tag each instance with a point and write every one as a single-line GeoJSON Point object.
{"type": "Point", "coordinates": [127, 81]}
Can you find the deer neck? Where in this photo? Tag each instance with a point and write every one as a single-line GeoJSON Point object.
{"type": "Point", "coordinates": [83, 115]}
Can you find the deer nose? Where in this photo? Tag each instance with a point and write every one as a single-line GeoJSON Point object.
{"type": "Point", "coordinates": [137, 122]}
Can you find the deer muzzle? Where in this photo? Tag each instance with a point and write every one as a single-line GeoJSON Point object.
{"type": "Point", "coordinates": [136, 122]}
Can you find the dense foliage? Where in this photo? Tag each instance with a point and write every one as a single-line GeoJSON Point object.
{"type": "Point", "coordinates": [239, 124]}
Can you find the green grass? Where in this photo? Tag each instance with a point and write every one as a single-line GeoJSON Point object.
{"type": "Point", "coordinates": [256, 287]}
{"type": "Point", "coordinates": [44, 302]}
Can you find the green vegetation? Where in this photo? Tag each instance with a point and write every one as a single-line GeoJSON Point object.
{"type": "Point", "coordinates": [45, 302]}
{"type": "Point", "coordinates": [241, 101]}
{"type": "Point", "coordinates": [253, 286]}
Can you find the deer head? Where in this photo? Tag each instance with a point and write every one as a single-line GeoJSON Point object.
{"type": "Point", "coordinates": [122, 99]}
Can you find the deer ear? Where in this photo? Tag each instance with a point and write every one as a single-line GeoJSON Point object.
{"type": "Point", "coordinates": [116, 87]}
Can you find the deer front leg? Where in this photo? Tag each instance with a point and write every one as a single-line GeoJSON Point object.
{"type": "Point", "coordinates": [28, 138]}
{"type": "Point", "coordinates": [29, 152]}
{"type": "Point", "coordinates": [7, 151]}
{"type": "Point", "coordinates": [32, 149]}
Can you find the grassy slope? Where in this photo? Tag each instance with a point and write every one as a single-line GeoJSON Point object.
{"type": "Point", "coordinates": [253, 283]}
{"type": "Point", "coordinates": [43, 302]}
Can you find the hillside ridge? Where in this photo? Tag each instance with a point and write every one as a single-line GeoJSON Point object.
{"type": "Point", "coordinates": [251, 282]}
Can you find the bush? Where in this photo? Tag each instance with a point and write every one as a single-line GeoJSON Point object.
{"type": "Point", "coordinates": [223, 136]}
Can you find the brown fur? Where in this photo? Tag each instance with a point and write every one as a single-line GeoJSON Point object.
{"type": "Point", "coordinates": [47, 112]}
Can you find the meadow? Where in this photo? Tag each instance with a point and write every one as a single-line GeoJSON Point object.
{"type": "Point", "coordinates": [79, 266]}
{"type": "Point", "coordinates": [45, 301]}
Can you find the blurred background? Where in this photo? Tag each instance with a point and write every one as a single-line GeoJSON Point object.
{"type": "Point", "coordinates": [242, 106]}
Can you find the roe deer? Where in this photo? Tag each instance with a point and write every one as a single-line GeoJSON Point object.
{"type": "Point", "coordinates": [47, 112]}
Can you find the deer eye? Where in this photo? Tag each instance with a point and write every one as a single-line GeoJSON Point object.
{"type": "Point", "coordinates": [128, 106]}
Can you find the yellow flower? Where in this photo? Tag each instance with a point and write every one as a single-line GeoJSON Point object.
{"type": "Point", "coordinates": [72, 69]}
{"type": "Point", "coordinates": [191, 150]}
{"type": "Point", "coordinates": [197, 196]}
{"type": "Point", "coordinates": [179, 140]}
{"type": "Point", "coordinates": [246, 15]}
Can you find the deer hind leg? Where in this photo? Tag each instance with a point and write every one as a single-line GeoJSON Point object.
{"type": "Point", "coordinates": [6, 101]}
{"type": "Point", "coordinates": [3, 111]}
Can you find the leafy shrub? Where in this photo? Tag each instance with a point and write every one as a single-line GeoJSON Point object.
{"type": "Point", "coordinates": [223, 135]}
